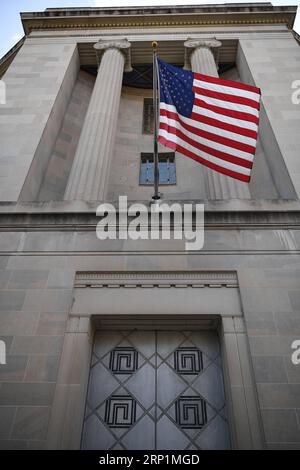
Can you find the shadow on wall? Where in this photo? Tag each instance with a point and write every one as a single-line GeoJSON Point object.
{"type": "Point", "coordinates": [61, 160]}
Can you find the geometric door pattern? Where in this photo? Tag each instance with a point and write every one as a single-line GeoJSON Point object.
{"type": "Point", "coordinates": [156, 390]}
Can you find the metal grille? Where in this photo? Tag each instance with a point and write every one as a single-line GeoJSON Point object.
{"type": "Point", "coordinates": [148, 116]}
{"type": "Point", "coordinates": [156, 390]}
{"type": "Point", "coordinates": [166, 165]}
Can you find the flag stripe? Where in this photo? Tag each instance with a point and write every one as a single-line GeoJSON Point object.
{"type": "Point", "coordinates": [199, 113]}
{"type": "Point", "coordinates": [227, 105]}
{"type": "Point", "coordinates": [226, 112]}
{"type": "Point", "coordinates": [226, 89]}
{"type": "Point", "coordinates": [226, 171]}
{"type": "Point", "coordinates": [236, 129]}
{"type": "Point", "coordinates": [230, 83]}
{"type": "Point", "coordinates": [200, 145]}
{"type": "Point", "coordinates": [218, 146]}
{"type": "Point", "coordinates": [201, 92]}
{"type": "Point", "coordinates": [208, 133]}
{"type": "Point", "coordinates": [205, 123]}
{"type": "Point", "coordinates": [202, 113]}
{"type": "Point", "coordinates": [213, 144]}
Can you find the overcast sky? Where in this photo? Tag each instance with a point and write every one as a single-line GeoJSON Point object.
{"type": "Point", "coordinates": [11, 28]}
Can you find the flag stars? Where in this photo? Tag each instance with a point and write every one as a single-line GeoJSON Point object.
{"type": "Point", "coordinates": [176, 88]}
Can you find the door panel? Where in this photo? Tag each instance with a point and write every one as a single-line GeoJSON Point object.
{"type": "Point", "coordinates": [156, 390]}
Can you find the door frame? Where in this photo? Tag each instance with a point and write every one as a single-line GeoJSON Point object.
{"type": "Point", "coordinates": [213, 303]}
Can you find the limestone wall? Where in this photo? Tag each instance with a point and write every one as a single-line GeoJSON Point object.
{"type": "Point", "coordinates": [39, 83]}
{"type": "Point", "coordinates": [274, 64]}
{"type": "Point", "coordinates": [37, 270]}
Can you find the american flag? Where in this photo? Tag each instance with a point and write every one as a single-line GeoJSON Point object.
{"type": "Point", "coordinates": [208, 119]}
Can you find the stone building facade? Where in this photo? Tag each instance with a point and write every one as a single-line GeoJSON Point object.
{"type": "Point", "coordinates": [122, 344]}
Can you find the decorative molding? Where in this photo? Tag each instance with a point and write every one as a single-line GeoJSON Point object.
{"type": "Point", "coordinates": [210, 43]}
{"type": "Point", "coordinates": [188, 361]}
{"type": "Point", "coordinates": [170, 36]}
{"type": "Point", "coordinates": [123, 360]}
{"type": "Point", "coordinates": [120, 44]}
{"type": "Point", "coordinates": [43, 25]}
{"type": "Point", "coordinates": [158, 322]}
{"type": "Point", "coordinates": [191, 412]}
{"type": "Point", "coordinates": [151, 279]}
{"type": "Point", "coordinates": [120, 411]}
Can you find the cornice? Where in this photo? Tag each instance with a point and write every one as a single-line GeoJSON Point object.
{"type": "Point", "coordinates": [158, 17]}
{"type": "Point", "coordinates": [41, 26]}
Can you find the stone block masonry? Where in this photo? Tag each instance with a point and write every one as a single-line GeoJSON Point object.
{"type": "Point", "coordinates": [39, 83]}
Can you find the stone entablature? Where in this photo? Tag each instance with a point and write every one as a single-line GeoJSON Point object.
{"type": "Point", "coordinates": [231, 214]}
{"type": "Point", "coordinates": [241, 14]}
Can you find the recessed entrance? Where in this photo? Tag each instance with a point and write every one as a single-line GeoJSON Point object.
{"type": "Point", "coordinates": [156, 389]}
{"type": "Point", "coordinates": [114, 303]}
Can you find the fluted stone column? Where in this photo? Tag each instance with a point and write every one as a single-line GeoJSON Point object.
{"type": "Point", "coordinates": [90, 171]}
{"type": "Point", "coordinates": [201, 55]}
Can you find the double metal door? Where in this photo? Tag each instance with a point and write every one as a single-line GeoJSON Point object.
{"type": "Point", "coordinates": [156, 390]}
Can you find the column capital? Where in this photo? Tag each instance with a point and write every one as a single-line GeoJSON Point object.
{"type": "Point", "coordinates": [123, 45]}
{"type": "Point", "coordinates": [193, 44]}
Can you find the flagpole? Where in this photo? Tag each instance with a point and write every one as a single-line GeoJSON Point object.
{"type": "Point", "coordinates": [156, 195]}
